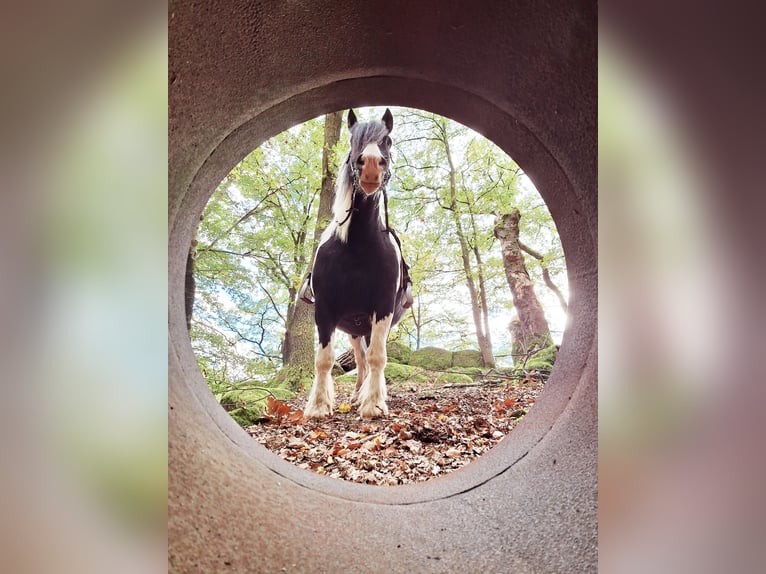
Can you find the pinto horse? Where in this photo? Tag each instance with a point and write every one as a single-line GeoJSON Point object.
{"type": "Point", "coordinates": [359, 279]}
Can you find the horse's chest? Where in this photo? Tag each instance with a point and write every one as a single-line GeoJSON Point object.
{"type": "Point", "coordinates": [356, 272]}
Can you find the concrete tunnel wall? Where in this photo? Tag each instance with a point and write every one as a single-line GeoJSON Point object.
{"type": "Point", "coordinates": [524, 75]}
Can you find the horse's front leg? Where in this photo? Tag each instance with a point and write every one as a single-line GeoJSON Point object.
{"type": "Point", "coordinates": [373, 394]}
{"type": "Point", "coordinates": [322, 393]}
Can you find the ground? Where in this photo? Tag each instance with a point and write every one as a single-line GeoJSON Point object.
{"type": "Point", "coordinates": [432, 429]}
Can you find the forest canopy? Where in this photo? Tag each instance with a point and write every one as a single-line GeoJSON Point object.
{"type": "Point", "coordinates": [449, 187]}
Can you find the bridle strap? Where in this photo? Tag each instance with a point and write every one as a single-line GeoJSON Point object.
{"type": "Point", "coordinates": [356, 188]}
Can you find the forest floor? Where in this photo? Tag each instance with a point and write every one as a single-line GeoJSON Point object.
{"type": "Point", "coordinates": [431, 430]}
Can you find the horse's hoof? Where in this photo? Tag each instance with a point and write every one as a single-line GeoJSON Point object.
{"type": "Point", "coordinates": [317, 412]}
{"type": "Point", "coordinates": [373, 411]}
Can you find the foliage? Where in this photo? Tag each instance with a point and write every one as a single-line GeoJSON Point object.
{"type": "Point", "coordinates": [253, 250]}
{"type": "Point", "coordinates": [254, 245]}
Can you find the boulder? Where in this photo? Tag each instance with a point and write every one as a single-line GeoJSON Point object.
{"type": "Point", "coordinates": [432, 358]}
{"type": "Point", "coordinates": [467, 358]}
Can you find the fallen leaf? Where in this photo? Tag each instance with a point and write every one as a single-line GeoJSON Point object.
{"type": "Point", "coordinates": [344, 408]}
{"type": "Point", "coordinates": [295, 417]}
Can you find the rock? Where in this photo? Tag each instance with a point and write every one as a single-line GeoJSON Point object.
{"type": "Point", "coordinates": [432, 358]}
{"type": "Point", "coordinates": [398, 352]}
{"type": "Point", "coordinates": [467, 358]}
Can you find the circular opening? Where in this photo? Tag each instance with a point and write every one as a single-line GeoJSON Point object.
{"type": "Point", "coordinates": [455, 389]}
{"type": "Point", "coordinates": [564, 186]}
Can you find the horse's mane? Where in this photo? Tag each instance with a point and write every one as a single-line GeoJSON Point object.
{"type": "Point", "coordinates": [362, 133]}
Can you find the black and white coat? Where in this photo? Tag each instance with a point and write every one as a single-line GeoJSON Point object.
{"type": "Point", "coordinates": [357, 279]}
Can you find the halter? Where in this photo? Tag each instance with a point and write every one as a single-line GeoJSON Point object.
{"type": "Point", "coordinates": [355, 187]}
{"type": "Point", "coordinates": [405, 283]}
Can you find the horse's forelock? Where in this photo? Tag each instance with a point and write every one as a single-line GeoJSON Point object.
{"type": "Point", "coordinates": [366, 133]}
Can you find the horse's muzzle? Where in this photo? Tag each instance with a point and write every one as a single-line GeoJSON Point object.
{"type": "Point", "coordinates": [369, 187]}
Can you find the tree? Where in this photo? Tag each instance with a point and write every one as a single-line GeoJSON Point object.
{"type": "Point", "coordinates": [444, 179]}
{"type": "Point", "coordinates": [530, 332]}
{"type": "Point", "coordinates": [298, 348]}
{"type": "Point", "coordinates": [254, 245]}
{"type": "Point", "coordinates": [261, 228]}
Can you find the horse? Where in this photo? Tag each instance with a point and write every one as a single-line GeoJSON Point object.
{"type": "Point", "coordinates": [359, 280]}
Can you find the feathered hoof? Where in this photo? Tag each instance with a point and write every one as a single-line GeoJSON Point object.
{"type": "Point", "coordinates": [373, 410]}
{"type": "Point", "coordinates": [315, 411]}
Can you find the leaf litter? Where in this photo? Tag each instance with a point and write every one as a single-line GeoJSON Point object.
{"type": "Point", "coordinates": [430, 431]}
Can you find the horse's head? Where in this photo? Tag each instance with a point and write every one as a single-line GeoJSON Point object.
{"type": "Point", "coordinates": [370, 150]}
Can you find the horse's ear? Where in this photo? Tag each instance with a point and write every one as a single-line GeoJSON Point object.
{"type": "Point", "coordinates": [351, 118]}
{"type": "Point", "coordinates": [388, 119]}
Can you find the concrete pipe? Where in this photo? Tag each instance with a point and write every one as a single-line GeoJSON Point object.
{"type": "Point", "coordinates": [521, 73]}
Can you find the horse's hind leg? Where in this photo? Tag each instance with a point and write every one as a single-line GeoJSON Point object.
{"type": "Point", "coordinates": [373, 394]}
{"type": "Point", "coordinates": [362, 367]}
{"type": "Point", "coordinates": [322, 392]}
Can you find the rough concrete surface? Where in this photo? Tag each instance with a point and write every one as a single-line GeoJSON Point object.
{"type": "Point", "coordinates": [524, 75]}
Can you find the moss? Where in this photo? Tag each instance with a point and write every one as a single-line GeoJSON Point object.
{"type": "Point", "coordinates": [247, 404]}
{"type": "Point", "coordinates": [467, 358]}
{"type": "Point", "coordinates": [544, 360]}
{"type": "Point", "coordinates": [394, 372]}
{"type": "Point", "coordinates": [475, 373]}
{"type": "Point", "coordinates": [346, 378]}
{"type": "Point", "coordinates": [432, 358]}
{"type": "Point", "coordinates": [243, 417]}
{"type": "Point", "coordinates": [398, 352]}
{"type": "Point", "coordinates": [404, 373]}
{"type": "Point", "coordinates": [293, 378]}
{"type": "Point", "coordinates": [453, 379]}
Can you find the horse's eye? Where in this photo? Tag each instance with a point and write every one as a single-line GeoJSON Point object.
{"type": "Point", "coordinates": [360, 161]}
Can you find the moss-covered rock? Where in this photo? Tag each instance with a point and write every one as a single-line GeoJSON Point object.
{"type": "Point", "coordinates": [467, 358]}
{"type": "Point", "coordinates": [394, 373]}
{"type": "Point", "coordinates": [432, 358]}
{"type": "Point", "coordinates": [293, 378]}
{"type": "Point", "coordinates": [398, 352]}
{"type": "Point", "coordinates": [475, 373]}
{"type": "Point", "coordinates": [244, 417]}
{"type": "Point", "coordinates": [453, 379]}
{"type": "Point", "coordinates": [247, 404]}
{"type": "Point", "coordinates": [544, 360]}
{"type": "Point", "coordinates": [397, 373]}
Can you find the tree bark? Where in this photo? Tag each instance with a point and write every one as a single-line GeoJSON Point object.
{"type": "Point", "coordinates": [531, 331]}
{"type": "Point", "coordinates": [298, 346]}
{"type": "Point", "coordinates": [190, 287]}
{"type": "Point", "coordinates": [547, 276]}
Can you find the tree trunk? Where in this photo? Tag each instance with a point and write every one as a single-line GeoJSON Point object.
{"type": "Point", "coordinates": [298, 347]}
{"type": "Point", "coordinates": [547, 277]}
{"type": "Point", "coordinates": [190, 287]}
{"type": "Point", "coordinates": [482, 333]}
{"type": "Point", "coordinates": [531, 332]}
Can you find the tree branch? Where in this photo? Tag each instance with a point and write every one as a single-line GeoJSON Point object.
{"type": "Point", "coordinates": [546, 275]}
